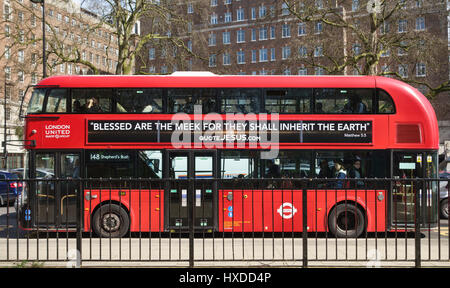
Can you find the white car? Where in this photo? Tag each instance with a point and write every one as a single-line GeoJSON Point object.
{"type": "Point", "coordinates": [40, 173]}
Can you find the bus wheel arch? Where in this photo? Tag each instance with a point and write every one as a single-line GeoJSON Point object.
{"type": "Point", "coordinates": [347, 214]}
{"type": "Point", "coordinates": [111, 219]}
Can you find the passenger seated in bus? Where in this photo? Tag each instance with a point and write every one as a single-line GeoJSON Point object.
{"type": "Point", "coordinates": [76, 107]}
{"type": "Point", "coordinates": [355, 105]}
{"type": "Point", "coordinates": [325, 172]}
{"type": "Point", "coordinates": [355, 173]}
{"type": "Point", "coordinates": [319, 108]}
{"type": "Point", "coordinates": [339, 173]}
{"type": "Point", "coordinates": [208, 106]}
{"type": "Point", "coordinates": [92, 106]}
{"type": "Point", "coordinates": [152, 107]}
{"type": "Point", "coordinates": [273, 171]}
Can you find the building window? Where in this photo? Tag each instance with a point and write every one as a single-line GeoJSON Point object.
{"type": "Point", "coordinates": [226, 59]}
{"type": "Point", "coordinates": [284, 9]}
{"type": "Point", "coordinates": [318, 27]}
{"type": "Point", "coordinates": [228, 17]}
{"type": "Point", "coordinates": [301, 29]}
{"type": "Point", "coordinates": [402, 49]}
{"type": "Point", "coordinates": [302, 52]}
{"type": "Point", "coordinates": [355, 5]}
{"type": "Point", "coordinates": [7, 52]}
{"type": "Point", "coordinates": [253, 34]}
{"type": "Point", "coordinates": [33, 78]}
{"type": "Point", "coordinates": [421, 70]}
{"type": "Point", "coordinates": [303, 71]}
{"type": "Point", "coordinates": [213, 3]}
{"type": "Point", "coordinates": [240, 57]}
{"type": "Point", "coordinates": [356, 49]}
{"type": "Point", "coordinates": [213, 19]}
{"type": "Point", "coordinates": [7, 31]}
{"type": "Point", "coordinates": [263, 57]}
{"type": "Point", "coordinates": [190, 8]}
{"type": "Point", "coordinates": [6, 12]}
{"type": "Point", "coordinates": [8, 73]}
{"type": "Point", "coordinates": [384, 28]}
{"type": "Point", "coordinates": [20, 76]}
{"type": "Point", "coordinates": [151, 53]}
{"type": "Point", "coordinates": [263, 33]}
{"type": "Point", "coordinates": [318, 51]}
{"type": "Point", "coordinates": [226, 37]}
{"type": "Point", "coordinates": [403, 70]}
{"type": "Point", "coordinates": [420, 23]}
{"type": "Point", "coordinates": [253, 56]}
{"type": "Point", "coordinates": [402, 25]}
{"type": "Point", "coordinates": [319, 4]}
{"type": "Point", "coordinates": [240, 36]}
{"type": "Point", "coordinates": [318, 71]}
{"type": "Point", "coordinates": [8, 114]}
{"type": "Point", "coordinates": [286, 52]}
{"type": "Point", "coordinates": [272, 32]}
{"type": "Point", "coordinates": [212, 60]}
{"type": "Point", "coordinates": [286, 31]}
{"type": "Point", "coordinates": [212, 39]}
{"type": "Point", "coordinates": [262, 11]}
{"type": "Point", "coordinates": [8, 92]}
{"type": "Point", "coordinates": [253, 13]}
{"type": "Point", "coordinates": [272, 54]}
{"type": "Point", "coordinates": [287, 71]}
{"type": "Point", "coordinates": [240, 14]}
{"type": "Point", "coordinates": [385, 52]}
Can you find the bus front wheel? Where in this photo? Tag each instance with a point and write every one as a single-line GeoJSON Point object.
{"type": "Point", "coordinates": [346, 221]}
{"type": "Point", "coordinates": [111, 220]}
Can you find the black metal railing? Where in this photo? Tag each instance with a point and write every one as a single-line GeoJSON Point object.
{"type": "Point", "coordinates": [297, 222]}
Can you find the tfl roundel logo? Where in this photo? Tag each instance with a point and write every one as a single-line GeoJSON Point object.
{"type": "Point", "coordinates": [287, 210]}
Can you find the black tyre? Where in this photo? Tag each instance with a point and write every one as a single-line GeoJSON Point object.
{"type": "Point", "coordinates": [346, 221]}
{"type": "Point", "coordinates": [444, 208]}
{"type": "Point", "coordinates": [111, 221]}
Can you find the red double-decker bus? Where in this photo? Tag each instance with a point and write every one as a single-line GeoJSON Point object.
{"type": "Point", "coordinates": [240, 151]}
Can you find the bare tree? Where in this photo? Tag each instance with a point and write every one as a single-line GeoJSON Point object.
{"type": "Point", "coordinates": [167, 27]}
{"type": "Point", "coordinates": [374, 36]}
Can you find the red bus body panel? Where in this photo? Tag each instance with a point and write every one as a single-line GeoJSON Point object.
{"type": "Point", "coordinates": [252, 210]}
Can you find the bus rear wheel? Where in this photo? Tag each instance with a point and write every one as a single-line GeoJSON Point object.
{"type": "Point", "coordinates": [346, 221]}
{"type": "Point", "coordinates": [111, 220]}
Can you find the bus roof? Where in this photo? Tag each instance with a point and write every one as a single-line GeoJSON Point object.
{"type": "Point", "coordinates": [208, 81]}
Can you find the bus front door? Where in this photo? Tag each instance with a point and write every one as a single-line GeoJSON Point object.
{"type": "Point", "coordinates": [55, 200]}
{"type": "Point", "coordinates": [190, 187]}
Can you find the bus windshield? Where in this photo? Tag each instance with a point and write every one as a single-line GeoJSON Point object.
{"type": "Point", "coordinates": [36, 103]}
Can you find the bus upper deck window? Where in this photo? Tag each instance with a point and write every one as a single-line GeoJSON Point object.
{"type": "Point", "coordinates": [288, 100]}
{"type": "Point", "coordinates": [385, 103]}
{"type": "Point", "coordinates": [139, 101]}
{"type": "Point", "coordinates": [91, 100]}
{"type": "Point", "coordinates": [37, 101]}
{"type": "Point", "coordinates": [343, 101]}
{"type": "Point", "coordinates": [56, 101]}
{"type": "Point", "coordinates": [240, 100]}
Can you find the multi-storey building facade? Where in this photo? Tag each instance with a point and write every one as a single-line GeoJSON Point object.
{"type": "Point", "coordinates": [77, 42]}
{"type": "Point", "coordinates": [264, 37]}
